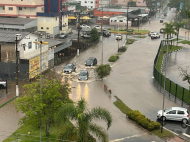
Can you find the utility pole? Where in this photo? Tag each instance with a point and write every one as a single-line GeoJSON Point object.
{"type": "Point", "coordinates": [17, 87]}
{"type": "Point", "coordinates": [127, 14]}
{"type": "Point", "coordinates": [0, 52]}
{"type": "Point", "coordinates": [101, 38]}
{"type": "Point", "coordinates": [78, 27]}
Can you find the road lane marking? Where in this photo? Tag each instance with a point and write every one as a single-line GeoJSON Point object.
{"type": "Point", "coordinates": [134, 136]}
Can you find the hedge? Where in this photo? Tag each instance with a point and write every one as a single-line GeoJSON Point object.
{"type": "Point", "coordinates": [143, 121]}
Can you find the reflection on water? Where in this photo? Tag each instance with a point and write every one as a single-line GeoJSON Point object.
{"type": "Point", "coordinates": [78, 92]}
{"type": "Point", "coordinates": [86, 92]}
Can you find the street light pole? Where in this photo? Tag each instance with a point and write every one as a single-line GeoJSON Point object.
{"type": "Point", "coordinates": [127, 15]}
{"type": "Point", "coordinates": [40, 43]}
{"type": "Point", "coordinates": [102, 34]}
{"type": "Point", "coordinates": [164, 86]}
{"type": "Point", "coordinates": [18, 37]}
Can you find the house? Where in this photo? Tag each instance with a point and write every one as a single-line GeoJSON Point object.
{"type": "Point", "coordinates": [119, 20]}
{"type": "Point", "coordinates": [21, 8]}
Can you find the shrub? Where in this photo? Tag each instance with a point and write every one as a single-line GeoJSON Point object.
{"type": "Point", "coordinates": [130, 41]}
{"type": "Point", "coordinates": [113, 58]}
{"type": "Point", "coordinates": [103, 70]}
{"type": "Point", "coordinates": [122, 49]}
{"type": "Point", "coordinates": [109, 28]}
{"type": "Point", "coordinates": [143, 121]}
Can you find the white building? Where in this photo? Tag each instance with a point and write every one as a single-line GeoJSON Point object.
{"type": "Point", "coordinates": [88, 3]}
{"type": "Point", "coordinates": [119, 20]}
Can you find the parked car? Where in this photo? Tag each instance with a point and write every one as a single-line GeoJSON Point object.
{"type": "Point", "coordinates": [155, 35]}
{"type": "Point", "coordinates": [41, 33]}
{"type": "Point", "coordinates": [97, 27]}
{"type": "Point", "coordinates": [83, 75]}
{"type": "Point", "coordinates": [162, 30]}
{"type": "Point", "coordinates": [91, 61]}
{"type": "Point", "coordinates": [2, 84]}
{"type": "Point", "coordinates": [85, 26]}
{"type": "Point", "coordinates": [106, 33]}
{"type": "Point", "coordinates": [174, 113]}
{"type": "Point", "coordinates": [87, 35]}
{"type": "Point", "coordinates": [63, 35]}
{"type": "Point", "coordinates": [118, 37]}
{"type": "Point", "coordinates": [69, 68]}
{"type": "Point", "coordinates": [150, 33]}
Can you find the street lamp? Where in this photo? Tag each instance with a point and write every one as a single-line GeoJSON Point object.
{"type": "Point", "coordinates": [17, 38]}
{"type": "Point", "coordinates": [40, 43]}
{"type": "Point", "coordinates": [165, 83]}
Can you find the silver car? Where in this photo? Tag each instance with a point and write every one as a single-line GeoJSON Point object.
{"type": "Point", "coordinates": [69, 68]}
{"type": "Point", "coordinates": [174, 113]}
{"type": "Point", "coordinates": [83, 75]}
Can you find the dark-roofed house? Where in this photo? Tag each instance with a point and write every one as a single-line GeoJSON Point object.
{"type": "Point", "coordinates": [22, 24]}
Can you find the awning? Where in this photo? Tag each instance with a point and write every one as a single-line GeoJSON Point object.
{"type": "Point", "coordinates": [85, 17]}
{"type": "Point", "coordinates": [71, 17]}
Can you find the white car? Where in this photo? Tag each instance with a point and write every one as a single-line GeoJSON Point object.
{"type": "Point", "coordinates": [2, 84]}
{"type": "Point", "coordinates": [155, 35]}
{"type": "Point", "coordinates": [174, 113]}
{"type": "Point", "coordinates": [88, 35]}
{"type": "Point", "coordinates": [84, 26]}
{"type": "Point", "coordinates": [150, 33]}
{"type": "Point", "coordinates": [118, 37]}
{"type": "Point", "coordinates": [98, 27]}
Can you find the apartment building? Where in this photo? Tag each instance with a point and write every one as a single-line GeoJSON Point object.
{"type": "Point", "coordinates": [21, 8]}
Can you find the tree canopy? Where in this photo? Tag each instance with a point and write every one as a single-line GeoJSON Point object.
{"type": "Point", "coordinates": [94, 35]}
{"type": "Point", "coordinates": [41, 107]}
{"type": "Point", "coordinates": [84, 118]}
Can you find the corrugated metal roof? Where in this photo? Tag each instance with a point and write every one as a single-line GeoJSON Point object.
{"type": "Point", "coordinates": [16, 21]}
{"type": "Point", "coordinates": [9, 36]}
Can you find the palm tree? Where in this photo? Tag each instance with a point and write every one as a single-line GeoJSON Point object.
{"type": "Point", "coordinates": [79, 113]}
{"type": "Point", "coordinates": [177, 26]}
{"type": "Point", "coordinates": [169, 30]}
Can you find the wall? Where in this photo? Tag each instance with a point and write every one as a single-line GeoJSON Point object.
{"type": "Point", "coordinates": [105, 13]}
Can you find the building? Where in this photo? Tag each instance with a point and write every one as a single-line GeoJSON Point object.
{"type": "Point", "coordinates": [21, 8]}
{"type": "Point", "coordinates": [90, 4]}
{"type": "Point", "coordinates": [141, 3]}
{"type": "Point", "coordinates": [53, 20]}
{"type": "Point", "coordinates": [118, 20]}
{"type": "Point", "coordinates": [21, 24]}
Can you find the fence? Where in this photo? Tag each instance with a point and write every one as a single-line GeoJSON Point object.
{"type": "Point", "coordinates": [174, 90]}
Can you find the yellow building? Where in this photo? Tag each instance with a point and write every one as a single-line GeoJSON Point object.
{"type": "Point", "coordinates": [21, 8]}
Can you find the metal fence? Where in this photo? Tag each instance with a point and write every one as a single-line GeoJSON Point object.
{"type": "Point", "coordinates": [174, 90]}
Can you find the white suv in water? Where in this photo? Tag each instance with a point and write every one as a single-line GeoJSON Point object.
{"type": "Point", "coordinates": [155, 35]}
{"type": "Point", "coordinates": [174, 113]}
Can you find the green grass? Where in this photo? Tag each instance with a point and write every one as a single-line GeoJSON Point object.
{"type": "Point", "coordinates": [176, 39]}
{"type": "Point", "coordinates": [165, 135]}
{"type": "Point", "coordinates": [119, 104]}
{"type": "Point", "coordinates": [140, 36]}
{"type": "Point", "coordinates": [130, 41]}
{"type": "Point", "coordinates": [162, 53]}
{"type": "Point", "coordinates": [125, 109]}
{"type": "Point", "coordinates": [22, 133]}
{"type": "Point", "coordinates": [123, 31]}
{"type": "Point", "coordinates": [8, 102]}
{"type": "Point", "coordinates": [184, 42]}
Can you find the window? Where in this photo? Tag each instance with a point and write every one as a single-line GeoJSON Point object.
{"type": "Point", "coordinates": [36, 45]}
{"type": "Point", "coordinates": [3, 7]}
{"type": "Point", "coordinates": [91, 2]}
{"type": "Point", "coordinates": [47, 28]}
{"type": "Point", "coordinates": [48, 19]}
{"type": "Point", "coordinates": [172, 112]}
{"type": "Point", "coordinates": [20, 8]}
{"type": "Point", "coordinates": [96, 2]}
{"type": "Point", "coordinates": [42, 27]}
{"type": "Point", "coordinates": [41, 19]}
{"type": "Point", "coordinates": [29, 45]}
{"type": "Point", "coordinates": [32, 9]}
{"type": "Point", "coordinates": [85, 2]}
{"type": "Point", "coordinates": [180, 112]}
{"type": "Point", "coordinates": [120, 20]}
{"type": "Point", "coordinates": [10, 8]}
{"type": "Point", "coordinates": [24, 46]}
{"type": "Point", "coordinates": [91, 6]}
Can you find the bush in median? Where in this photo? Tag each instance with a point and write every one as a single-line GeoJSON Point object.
{"type": "Point", "coordinates": [113, 58]}
{"type": "Point", "coordinates": [103, 70]}
{"type": "Point", "coordinates": [122, 49]}
{"type": "Point", "coordinates": [130, 41]}
{"type": "Point", "coordinates": [143, 121]}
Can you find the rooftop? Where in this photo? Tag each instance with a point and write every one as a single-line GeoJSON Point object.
{"type": "Point", "coordinates": [16, 21]}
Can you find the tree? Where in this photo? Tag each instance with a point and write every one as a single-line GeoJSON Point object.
{"type": "Point", "coordinates": [79, 113]}
{"type": "Point", "coordinates": [151, 4]}
{"type": "Point", "coordinates": [103, 70]}
{"type": "Point", "coordinates": [188, 13]}
{"type": "Point", "coordinates": [169, 30]}
{"type": "Point", "coordinates": [174, 4]}
{"type": "Point", "coordinates": [94, 35]}
{"type": "Point", "coordinates": [132, 4]}
{"type": "Point", "coordinates": [177, 26]}
{"type": "Point", "coordinates": [41, 107]}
